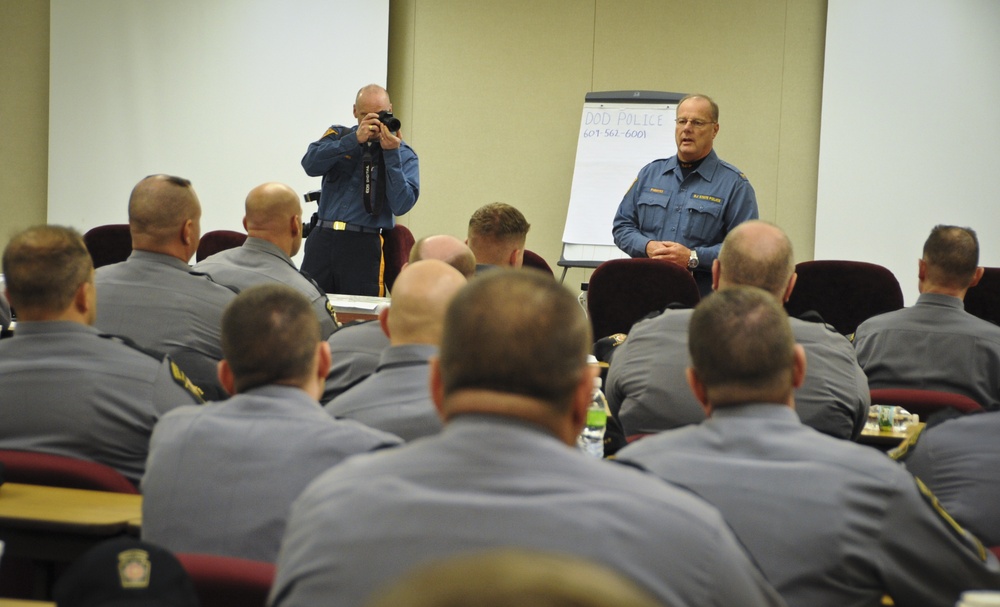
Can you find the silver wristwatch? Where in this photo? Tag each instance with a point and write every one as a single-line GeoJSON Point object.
{"type": "Point", "coordinates": [693, 260]}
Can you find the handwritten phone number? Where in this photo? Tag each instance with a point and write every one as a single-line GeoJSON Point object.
{"type": "Point", "coordinates": [627, 134]}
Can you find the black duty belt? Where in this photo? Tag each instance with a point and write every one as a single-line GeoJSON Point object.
{"type": "Point", "coordinates": [342, 226]}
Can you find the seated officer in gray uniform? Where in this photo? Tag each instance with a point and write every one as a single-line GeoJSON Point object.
{"type": "Point", "coordinates": [396, 398]}
{"type": "Point", "coordinates": [65, 388]}
{"type": "Point", "coordinates": [829, 522]}
{"type": "Point", "coordinates": [497, 235]}
{"type": "Point", "coordinates": [957, 461]}
{"type": "Point", "coordinates": [273, 222]}
{"type": "Point", "coordinates": [356, 348]}
{"type": "Point", "coordinates": [936, 344]}
{"type": "Point", "coordinates": [220, 478]}
{"type": "Point", "coordinates": [513, 386]}
{"type": "Point", "coordinates": [646, 385]}
{"type": "Point", "coordinates": [153, 297]}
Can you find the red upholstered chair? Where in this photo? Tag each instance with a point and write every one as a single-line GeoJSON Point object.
{"type": "Point", "coordinates": [59, 471]}
{"type": "Point", "coordinates": [396, 245]}
{"type": "Point", "coordinates": [622, 291]}
{"type": "Point", "coordinates": [108, 244]}
{"type": "Point", "coordinates": [218, 240]}
{"type": "Point", "coordinates": [534, 260]}
{"type": "Point", "coordinates": [924, 402]}
{"type": "Point", "coordinates": [983, 300]}
{"type": "Point", "coordinates": [223, 581]}
{"type": "Point", "coordinates": [845, 293]}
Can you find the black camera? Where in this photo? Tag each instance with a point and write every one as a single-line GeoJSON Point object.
{"type": "Point", "coordinates": [391, 122]}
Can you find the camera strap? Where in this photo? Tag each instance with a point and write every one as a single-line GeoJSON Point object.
{"type": "Point", "coordinates": [373, 203]}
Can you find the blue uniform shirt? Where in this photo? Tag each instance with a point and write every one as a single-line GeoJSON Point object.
{"type": "Point", "coordinates": [696, 212]}
{"type": "Point", "coordinates": [337, 157]}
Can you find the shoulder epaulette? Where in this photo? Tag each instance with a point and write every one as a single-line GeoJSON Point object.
{"type": "Point", "coordinates": [734, 169]}
{"type": "Point", "coordinates": [210, 279]}
{"type": "Point", "coordinates": [126, 341]}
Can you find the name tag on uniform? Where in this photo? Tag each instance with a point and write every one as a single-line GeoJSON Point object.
{"type": "Point", "coordinates": [656, 190]}
{"type": "Point", "coordinates": [708, 198]}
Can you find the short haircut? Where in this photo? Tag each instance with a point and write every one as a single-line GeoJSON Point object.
{"type": "Point", "coordinates": [159, 204]}
{"type": "Point", "coordinates": [44, 266]}
{"type": "Point", "coordinates": [518, 332]}
{"type": "Point", "coordinates": [711, 102]}
{"type": "Point", "coordinates": [740, 341]}
{"type": "Point", "coordinates": [953, 254]}
{"type": "Point", "coordinates": [269, 336]}
{"type": "Point", "coordinates": [765, 261]}
{"type": "Point", "coordinates": [500, 222]}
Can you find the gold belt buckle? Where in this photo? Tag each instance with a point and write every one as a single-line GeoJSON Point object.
{"type": "Point", "coordinates": [339, 225]}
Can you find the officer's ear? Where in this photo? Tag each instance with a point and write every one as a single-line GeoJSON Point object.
{"type": "Point", "coordinates": [226, 378]}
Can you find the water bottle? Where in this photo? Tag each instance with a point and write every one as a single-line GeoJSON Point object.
{"type": "Point", "coordinates": [591, 439]}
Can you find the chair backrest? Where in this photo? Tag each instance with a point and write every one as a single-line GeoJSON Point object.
{"type": "Point", "coordinates": [983, 300]}
{"type": "Point", "coordinates": [845, 293]}
{"type": "Point", "coordinates": [622, 291]}
{"type": "Point", "coordinates": [108, 244]}
{"type": "Point", "coordinates": [59, 471]}
{"type": "Point", "coordinates": [396, 245]}
{"type": "Point", "coordinates": [218, 240]}
{"type": "Point", "coordinates": [924, 402]}
{"type": "Point", "coordinates": [223, 581]}
{"type": "Point", "coordinates": [534, 260]}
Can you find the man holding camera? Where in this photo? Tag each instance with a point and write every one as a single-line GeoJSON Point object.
{"type": "Point", "coordinates": [370, 176]}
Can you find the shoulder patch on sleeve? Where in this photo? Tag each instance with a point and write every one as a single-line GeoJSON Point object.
{"type": "Point", "coordinates": [182, 380]}
{"type": "Point", "coordinates": [332, 312]}
{"type": "Point", "coordinates": [330, 131]}
{"type": "Point", "coordinates": [950, 522]}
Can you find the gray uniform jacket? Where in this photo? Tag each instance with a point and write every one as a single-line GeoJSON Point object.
{"type": "Point", "coordinates": [260, 262]}
{"type": "Point", "coordinates": [355, 350]}
{"type": "Point", "coordinates": [933, 345]}
{"type": "Point", "coordinates": [648, 391]}
{"type": "Point", "coordinates": [156, 301]}
{"type": "Point", "coordinates": [397, 397]}
{"type": "Point", "coordinates": [489, 481]}
{"type": "Point", "coordinates": [957, 459]}
{"type": "Point", "coordinates": [66, 390]}
{"type": "Point", "coordinates": [830, 522]}
{"type": "Point", "coordinates": [220, 478]}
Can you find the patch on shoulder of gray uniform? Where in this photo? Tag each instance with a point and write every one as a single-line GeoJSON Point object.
{"type": "Point", "coordinates": [182, 380]}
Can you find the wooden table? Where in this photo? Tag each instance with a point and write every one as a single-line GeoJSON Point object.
{"type": "Point", "coordinates": [56, 525]}
{"type": "Point", "coordinates": [888, 439]}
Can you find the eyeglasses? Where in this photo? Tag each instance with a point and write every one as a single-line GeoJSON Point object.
{"type": "Point", "coordinates": [698, 124]}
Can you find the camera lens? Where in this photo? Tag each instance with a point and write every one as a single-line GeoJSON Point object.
{"type": "Point", "coordinates": [391, 122]}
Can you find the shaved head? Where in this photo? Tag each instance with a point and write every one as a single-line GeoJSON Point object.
{"type": "Point", "coordinates": [420, 298]}
{"type": "Point", "coordinates": [164, 216]}
{"type": "Point", "coordinates": [371, 99]}
{"type": "Point", "coordinates": [159, 206]}
{"type": "Point", "coordinates": [448, 249]}
{"type": "Point", "coordinates": [757, 254]}
{"type": "Point", "coordinates": [274, 214]}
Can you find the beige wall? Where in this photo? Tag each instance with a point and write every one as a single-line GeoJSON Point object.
{"type": "Point", "coordinates": [490, 94]}
{"type": "Point", "coordinates": [24, 114]}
